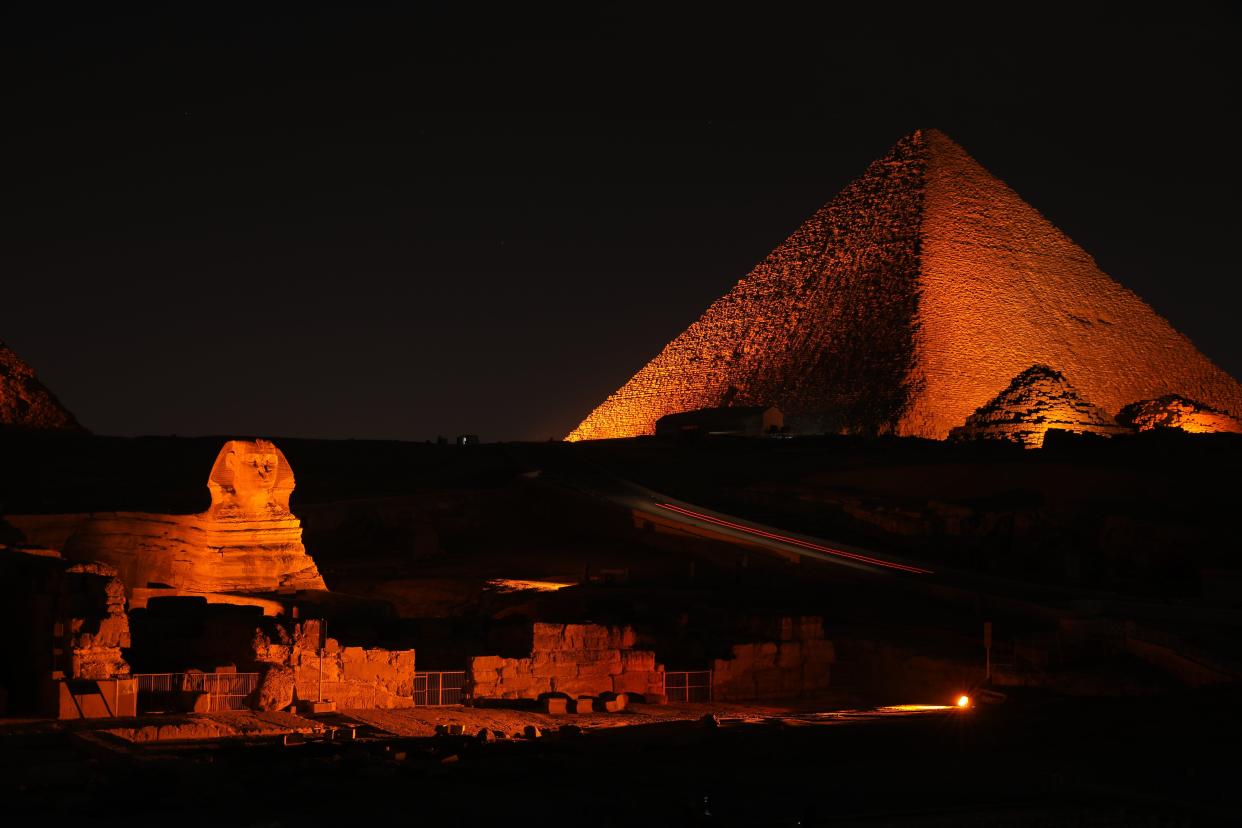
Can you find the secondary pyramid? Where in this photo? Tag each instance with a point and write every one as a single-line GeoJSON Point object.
{"type": "Point", "coordinates": [24, 401]}
{"type": "Point", "coordinates": [908, 301]}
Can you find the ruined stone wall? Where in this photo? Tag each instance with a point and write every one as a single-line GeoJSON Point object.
{"type": "Point", "coordinates": [577, 659]}
{"type": "Point", "coordinates": [63, 621]}
{"type": "Point", "coordinates": [353, 677]}
{"type": "Point", "coordinates": [798, 663]}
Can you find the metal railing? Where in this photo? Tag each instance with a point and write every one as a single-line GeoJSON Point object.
{"type": "Point", "coordinates": [688, 685]}
{"type": "Point", "coordinates": [226, 691]}
{"type": "Point", "coordinates": [439, 688]}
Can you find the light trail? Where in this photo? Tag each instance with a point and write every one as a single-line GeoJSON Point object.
{"type": "Point", "coordinates": [794, 541]}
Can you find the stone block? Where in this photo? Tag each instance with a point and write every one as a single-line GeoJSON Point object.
{"type": "Point", "coordinates": [556, 705]}
{"type": "Point", "coordinates": [820, 650]}
{"type": "Point", "coordinates": [631, 682]}
{"type": "Point", "coordinates": [637, 661]}
{"type": "Point", "coordinates": [811, 628]}
{"type": "Point", "coordinates": [768, 683]}
{"type": "Point", "coordinates": [547, 637]}
{"type": "Point", "coordinates": [583, 704]}
{"type": "Point", "coordinates": [622, 638]}
{"type": "Point", "coordinates": [816, 675]}
{"type": "Point", "coordinates": [613, 702]}
{"type": "Point", "coordinates": [481, 663]}
{"type": "Point", "coordinates": [585, 686]}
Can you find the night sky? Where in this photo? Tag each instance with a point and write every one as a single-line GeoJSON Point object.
{"type": "Point", "coordinates": [372, 224]}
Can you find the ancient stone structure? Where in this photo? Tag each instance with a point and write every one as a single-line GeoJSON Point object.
{"type": "Point", "coordinates": [1174, 411]}
{"type": "Point", "coordinates": [576, 659]}
{"type": "Point", "coordinates": [352, 677]}
{"type": "Point", "coordinates": [797, 663]}
{"type": "Point", "coordinates": [24, 401]}
{"type": "Point", "coordinates": [247, 541]}
{"type": "Point", "coordinates": [66, 625]}
{"type": "Point", "coordinates": [1036, 401]}
{"type": "Point", "coordinates": [906, 303]}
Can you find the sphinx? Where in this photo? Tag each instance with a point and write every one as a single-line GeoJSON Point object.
{"type": "Point", "coordinates": [247, 540]}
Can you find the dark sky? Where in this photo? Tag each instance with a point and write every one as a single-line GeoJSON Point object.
{"type": "Point", "coordinates": [365, 223]}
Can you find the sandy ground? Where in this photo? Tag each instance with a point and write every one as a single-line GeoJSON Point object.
{"type": "Point", "coordinates": [422, 721]}
{"type": "Point", "coordinates": [403, 722]}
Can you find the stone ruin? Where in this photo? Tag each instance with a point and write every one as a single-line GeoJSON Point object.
{"type": "Point", "coordinates": [1175, 411]}
{"type": "Point", "coordinates": [68, 625]}
{"type": "Point", "coordinates": [792, 660]}
{"type": "Point", "coordinates": [1035, 402]}
{"type": "Point", "coordinates": [903, 305]}
{"type": "Point", "coordinates": [27, 403]}
{"type": "Point", "coordinates": [350, 677]}
{"type": "Point", "coordinates": [247, 541]}
{"type": "Point", "coordinates": [575, 659]}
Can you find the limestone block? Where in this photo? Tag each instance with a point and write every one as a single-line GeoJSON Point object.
{"type": "Point", "coordinates": [821, 650]}
{"type": "Point", "coordinates": [276, 688]}
{"type": "Point", "coordinates": [637, 661]}
{"type": "Point", "coordinates": [634, 682]}
{"type": "Point", "coordinates": [785, 629]}
{"type": "Point", "coordinates": [555, 705]}
{"type": "Point", "coordinates": [548, 637]}
{"type": "Point", "coordinates": [582, 704]}
{"type": "Point", "coordinates": [622, 638]}
{"type": "Point", "coordinates": [479, 664]}
{"type": "Point", "coordinates": [615, 704]}
{"type": "Point", "coordinates": [816, 675]}
{"type": "Point", "coordinates": [584, 686]}
{"type": "Point", "coordinates": [810, 627]}
{"type": "Point", "coordinates": [790, 654]}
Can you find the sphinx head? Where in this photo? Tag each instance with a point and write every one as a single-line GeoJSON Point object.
{"type": "Point", "coordinates": [250, 479]}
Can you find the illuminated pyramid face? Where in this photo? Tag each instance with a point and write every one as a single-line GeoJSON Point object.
{"type": "Point", "coordinates": [908, 301]}
{"type": "Point", "coordinates": [24, 401]}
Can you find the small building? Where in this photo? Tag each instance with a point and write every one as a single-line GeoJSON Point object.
{"type": "Point", "coordinates": [467, 439]}
{"type": "Point", "coordinates": [749, 421]}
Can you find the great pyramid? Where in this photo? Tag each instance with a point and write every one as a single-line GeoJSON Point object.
{"type": "Point", "coordinates": [908, 301]}
{"type": "Point", "coordinates": [24, 401]}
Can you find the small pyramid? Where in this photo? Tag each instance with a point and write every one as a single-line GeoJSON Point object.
{"type": "Point", "coordinates": [1035, 402]}
{"type": "Point", "coordinates": [1174, 411]}
{"type": "Point", "coordinates": [27, 403]}
{"type": "Point", "coordinates": [902, 306]}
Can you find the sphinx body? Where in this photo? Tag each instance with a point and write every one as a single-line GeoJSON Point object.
{"type": "Point", "coordinates": [247, 541]}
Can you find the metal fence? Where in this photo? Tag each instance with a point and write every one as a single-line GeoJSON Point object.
{"type": "Point", "coordinates": [226, 691]}
{"type": "Point", "coordinates": [438, 688]}
{"type": "Point", "coordinates": [688, 685]}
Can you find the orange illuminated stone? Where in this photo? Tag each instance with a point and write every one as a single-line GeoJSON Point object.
{"type": "Point", "coordinates": [246, 541]}
{"type": "Point", "coordinates": [907, 302]}
{"type": "Point", "coordinates": [24, 401]}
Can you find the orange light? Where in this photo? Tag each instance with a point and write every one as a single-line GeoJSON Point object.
{"type": "Point", "coordinates": [963, 702]}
